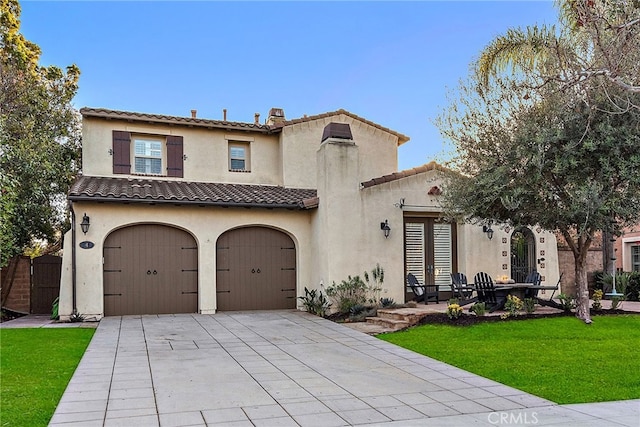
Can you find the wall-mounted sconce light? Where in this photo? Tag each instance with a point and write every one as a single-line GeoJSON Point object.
{"type": "Point", "coordinates": [540, 260]}
{"type": "Point", "coordinates": [85, 224]}
{"type": "Point", "coordinates": [384, 226]}
{"type": "Point", "coordinates": [487, 229]}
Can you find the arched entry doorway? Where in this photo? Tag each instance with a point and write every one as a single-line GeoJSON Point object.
{"type": "Point", "coordinates": [256, 270]}
{"type": "Point", "coordinates": [523, 253]}
{"type": "Point", "coordinates": [150, 269]}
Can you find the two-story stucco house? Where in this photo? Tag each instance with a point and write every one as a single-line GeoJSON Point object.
{"type": "Point", "coordinates": [192, 215]}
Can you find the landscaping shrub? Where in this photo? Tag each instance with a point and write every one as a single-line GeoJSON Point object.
{"type": "Point", "coordinates": [633, 288]}
{"type": "Point", "coordinates": [315, 302]}
{"type": "Point", "coordinates": [355, 291]}
{"type": "Point", "coordinates": [567, 302]}
{"type": "Point", "coordinates": [597, 297]}
{"type": "Point", "coordinates": [529, 305]}
{"type": "Point", "coordinates": [387, 303]}
{"type": "Point", "coordinates": [512, 307]}
{"type": "Point", "coordinates": [454, 311]}
{"type": "Point", "coordinates": [479, 308]}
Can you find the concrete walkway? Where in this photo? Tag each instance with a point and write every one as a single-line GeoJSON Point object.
{"type": "Point", "coordinates": [288, 368]}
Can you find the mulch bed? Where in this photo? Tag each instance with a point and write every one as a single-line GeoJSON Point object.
{"type": "Point", "coordinates": [471, 319]}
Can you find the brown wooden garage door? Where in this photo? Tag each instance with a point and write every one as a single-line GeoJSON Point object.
{"type": "Point", "coordinates": [150, 269]}
{"type": "Point", "coordinates": [256, 270]}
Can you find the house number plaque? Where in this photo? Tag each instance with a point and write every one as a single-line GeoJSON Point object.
{"type": "Point", "coordinates": [86, 245]}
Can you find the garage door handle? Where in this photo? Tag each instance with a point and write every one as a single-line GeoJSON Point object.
{"type": "Point", "coordinates": [148, 271]}
{"type": "Point", "coordinates": [155, 272]}
{"type": "Point", "coordinates": [258, 270]}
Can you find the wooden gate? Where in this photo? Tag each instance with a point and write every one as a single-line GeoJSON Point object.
{"type": "Point", "coordinates": [45, 282]}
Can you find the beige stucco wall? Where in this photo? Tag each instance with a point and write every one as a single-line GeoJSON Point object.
{"type": "Point", "coordinates": [206, 224]}
{"type": "Point", "coordinates": [287, 158]}
{"type": "Point", "coordinates": [493, 256]}
{"type": "Point", "coordinates": [206, 151]}
{"type": "Point", "coordinates": [300, 142]}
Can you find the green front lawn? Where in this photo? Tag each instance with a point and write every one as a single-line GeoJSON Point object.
{"type": "Point", "coordinates": [35, 368]}
{"type": "Point", "coordinates": [560, 359]}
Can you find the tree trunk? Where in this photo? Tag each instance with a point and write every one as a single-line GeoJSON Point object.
{"type": "Point", "coordinates": [582, 286]}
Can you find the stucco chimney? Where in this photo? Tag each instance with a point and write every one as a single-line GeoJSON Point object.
{"type": "Point", "coordinates": [194, 113]}
{"type": "Point", "coordinates": [256, 118]}
{"type": "Point", "coordinates": [224, 114]}
{"type": "Point", "coordinates": [276, 116]}
{"type": "Point", "coordinates": [338, 131]}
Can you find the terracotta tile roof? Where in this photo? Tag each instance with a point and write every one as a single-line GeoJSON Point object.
{"type": "Point", "coordinates": [401, 138]}
{"type": "Point", "coordinates": [152, 191]}
{"type": "Point", "coordinates": [403, 174]}
{"type": "Point", "coordinates": [174, 120]}
{"type": "Point", "coordinates": [221, 124]}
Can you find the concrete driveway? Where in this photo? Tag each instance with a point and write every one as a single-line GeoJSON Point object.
{"type": "Point", "coordinates": [288, 368]}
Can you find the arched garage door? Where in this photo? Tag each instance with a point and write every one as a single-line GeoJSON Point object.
{"type": "Point", "coordinates": [150, 269]}
{"type": "Point", "coordinates": [256, 270]}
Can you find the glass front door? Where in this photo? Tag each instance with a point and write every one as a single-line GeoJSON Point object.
{"type": "Point", "coordinates": [429, 251]}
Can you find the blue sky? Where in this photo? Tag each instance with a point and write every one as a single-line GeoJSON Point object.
{"type": "Point", "coordinates": [389, 62]}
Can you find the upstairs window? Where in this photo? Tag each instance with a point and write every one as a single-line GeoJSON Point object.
{"type": "Point", "coordinates": [152, 154]}
{"type": "Point", "coordinates": [148, 155]}
{"type": "Point", "coordinates": [239, 157]}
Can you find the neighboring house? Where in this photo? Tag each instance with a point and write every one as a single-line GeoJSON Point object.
{"type": "Point", "coordinates": [627, 250]}
{"type": "Point", "coordinates": [191, 215]}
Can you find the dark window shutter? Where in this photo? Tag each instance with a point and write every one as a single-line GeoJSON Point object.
{"type": "Point", "coordinates": [121, 152]}
{"type": "Point", "coordinates": [174, 156]}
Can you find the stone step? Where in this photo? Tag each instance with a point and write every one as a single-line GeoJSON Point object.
{"type": "Point", "coordinates": [391, 324]}
{"type": "Point", "coordinates": [410, 315]}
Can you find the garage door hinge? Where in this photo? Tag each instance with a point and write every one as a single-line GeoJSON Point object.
{"type": "Point", "coordinates": [223, 292]}
{"type": "Point", "coordinates": [112, 295]}
{"type": "Point", "coordinates": [112, 271]}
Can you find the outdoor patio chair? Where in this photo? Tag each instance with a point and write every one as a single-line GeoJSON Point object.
{"type": "Point", "coordinates": [461, 288]}
{"type": "Point", "coordinates": [422, 292]}
{"type": "Point", "coordinates": [487, 292]}
{"type": "Point", "coordinates": [535, 279]}
{"type": "Point", "coordinates": [550, 302]}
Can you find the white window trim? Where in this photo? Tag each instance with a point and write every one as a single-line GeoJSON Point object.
{"type": "Point", "coordinates": [163, 153]}
{"type": "Point", "coordinates": [246, 146]}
